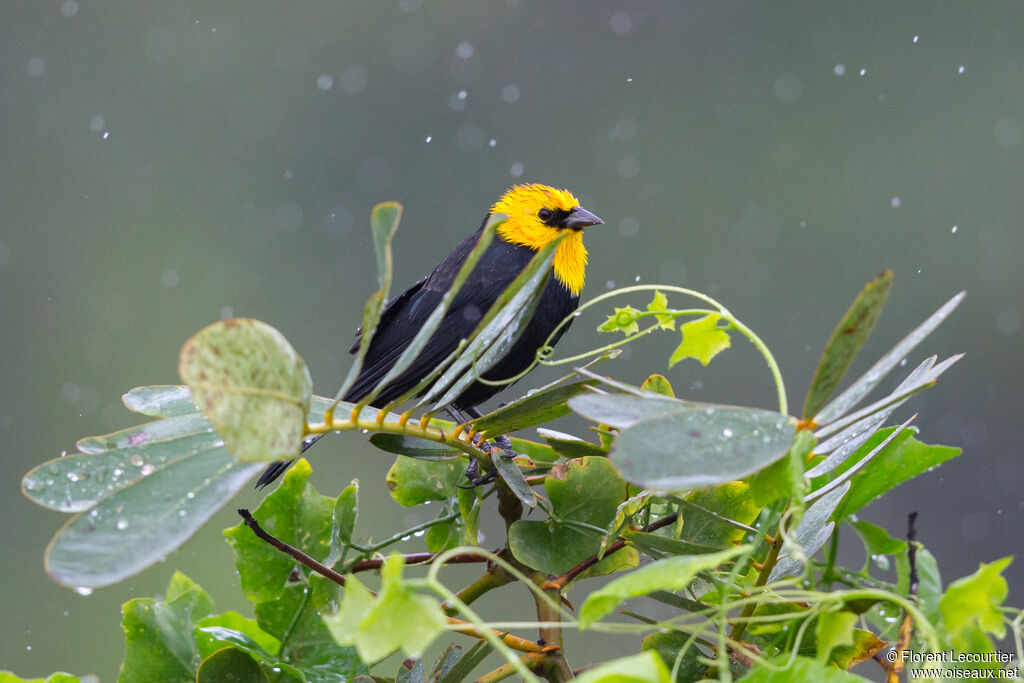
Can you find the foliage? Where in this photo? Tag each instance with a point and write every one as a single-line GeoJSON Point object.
{"type": "Point", "coordinates": [716, 512]}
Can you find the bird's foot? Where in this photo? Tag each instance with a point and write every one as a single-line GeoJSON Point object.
{"type": "Point", "coordinates": [474, 476]}
{"type": "Point", "coordinates": [500, 446]}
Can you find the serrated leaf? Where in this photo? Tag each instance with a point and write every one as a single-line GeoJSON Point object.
{"type": "Point", "coordinates": [787, 670]}
{"type": "Point", "coordinates": [670, 574]}
{"type": "Point", "coordinates": [659, 307]}
{"type": "Point", "coordinates": [846, 340]}
{"type": "Point", "coordinates": [159, 641]}
{"type": "Point", "coordinates": [251, 385]}
{"type": "Point", "coordinates": [354, 607]}
{"type": "Point", "coordinates": [973, 604]}
{"type": "Point", "coordinates": [690, 449]}
{"type": "Point", "coordinates": [622, 320]}
{"type": "Point", "coordinates": [136, 526]}
{"type": "Point", "coordinates": [587, 491]}
{"type": "Point", "coordinates": [702, 340]}
{"type": "Point", "coordinates": [413, 482]}
{"type": "Point", "coordinates": [834, 629]}
{"type": "Point", "coordinates": [865, 645]}
{"type": "Point", "coordinates": [294, 513]}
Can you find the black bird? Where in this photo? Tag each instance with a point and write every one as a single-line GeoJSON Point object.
{"type": "Point", "coordinates": [536, 214]}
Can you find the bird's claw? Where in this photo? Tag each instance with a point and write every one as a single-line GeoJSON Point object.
{"type": "Point", "coordinates": [502, 446]}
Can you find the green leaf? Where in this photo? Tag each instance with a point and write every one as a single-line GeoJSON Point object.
{"type": "Point", "coordinates": [294, 513]}
{"type": "Point", "coordinates": [692, 448]}
{"type": "Point", "coordinates": [230, 664]}
{"type": "Point", "coordinates": [414, 482]}
{"type": "Point", "coordinates": [929, 582]}
{"type": "Point", "coordinates": [251, 385]}
{"type": "Point", "coordinates": [136, 526]}
{"type": "Point", "coordinates": [231, 628]}
{"type": "Point", "coordinates": [971, 604]}
{"type": "Point", "coordinates": [413, 447]}
{"type": "Point", "coordinates": [733, 501]}
{"type": "Point", "coordinates": [853, 395]}
{"type": "Point", "coordinates": [622, 320]}
{"type": "Point", "coordinates": [668, 646]}
{"type": "Point", "coordinates": [294, 618]}
{"type": "Point", "coordinates": [670, 574]}
{"type": "Point", "coordinates": [469, 509]}
{"type": "Point", "coordinates": [623, 410]}
{"type": "Point", "coordinates": [801, 669]}
{"type": "Point", "coordinates": [398, 618]}
{"type": "Point", "coordinates": [657, 545]}
{"type": "Point", "coordinates": [444, 664]}
{"type": "Point", "coordinates": [645, 667]}
{"type": "Point", "coordinates": [626, 558]}
{"type": "Point", "coordinates": [354, 608]}
{"type": "Point", "coordinates": [537, 408]}
{"type": "Point", "coordinates": [877, 540]}
{"type": "Point", "coordinates": [810, 535]}
{"type": "Point", "coordinates": [785, 478]}
{"type": "Point", "coordinates": [77, 482]}
{"type": "Point", "coordinates": [658, 384]}
{"type": "Point", "coordinates": [904, 458]}
{"type": "Point", "coordinates": [470, 661]}
{"type": "Point", "coordinates": [346, 510]}
{"type": "Point", "coordinates": [846, 340]}
{"type": "Point", "coordinates": [160, 400]}
{"type": "Point", "coordinates": [585, 492]}
{"type": "Point", "coordinates": [569, 446]}
{"type": "Point", "coordinates": [834, 629]}
{"type": "Point", "coordinates": [443, 536]}
{"type": "Point", "coordinates": [865, 646]}
{"type": "Point", "coordinates": [60, 677]}
{"type": "Point", "coordinates": [702, 339]}
{"type": "Point", "coordinates": [159, 640]}
{"type": "Point", "coordinates": [510, 473]}
{"type": "Point", "coordinates": [659, 307]}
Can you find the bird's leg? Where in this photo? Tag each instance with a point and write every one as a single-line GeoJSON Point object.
{"type": "Point", "coordinates": [501, 444]}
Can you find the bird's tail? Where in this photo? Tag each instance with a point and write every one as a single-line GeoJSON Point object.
{"type": "Point", "coordinates": [276, 469]}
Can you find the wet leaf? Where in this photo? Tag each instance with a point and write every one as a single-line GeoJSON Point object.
{"type": "Point", "coordinates": [161, 400]}
{"type": "Point", "coordinates": [846, 340]}
{"type": "Point", "coordinates": [622, 320]}
{"type": "Point", "coordinates": [623, 410]}
{"type": "Point", "coordinates": [810, 535]}
{"type": "Point", "coordinates": [230, 664]}
{"type": "Point", "coordinates": [136, 526]}
{"type": "Point", "coordinates": [689, 449]}
{"type": "Point", "coordinates": [668, 645]}
{"type": "Point", "coordinates": [645, 667]}
{"type": "Point", "coordinates": [537, 408]}
{"type": "Point", "coordinates": [413, 447]}
{"type": "Point", "coordinates": [251, 385]}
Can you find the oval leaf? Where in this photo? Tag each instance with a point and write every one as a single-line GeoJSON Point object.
{"type": "Point", "coordinates": [700, 448]}
{"type": "Point", "coordinates": [251, 384]}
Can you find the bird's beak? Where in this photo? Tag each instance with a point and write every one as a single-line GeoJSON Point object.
{"type": "Point", "coordinates": [580, 218]}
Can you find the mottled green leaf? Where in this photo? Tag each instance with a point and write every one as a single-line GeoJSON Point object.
{"type": "Point", "coordinates": [251, 385]}
{"type": "Point", "coordinates": [732, 501]}
{"type": "Point", "coordinates": [658, 384]}
{"type": "Point", "coordinates": [834, 629]}
{"type": "Point", "coordinates": [585, 491]}
{"type": "Point", "coordinates": [972, 604]}
{"type": "Point", "coordinates": [160, 400]}
{"type": "Point", "coordinates": [645, 667]}
{"type": "Point", "coordinates": [622, 320]}
{"type": "Point", "coordinates": [846, 340]}
{"type": "Point", "coordinates": [413, 482]}
{"type": "Point", "coordinates": [800, 669]}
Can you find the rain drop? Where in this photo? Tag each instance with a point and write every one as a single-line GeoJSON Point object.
{"type": "Point", "coordinates": [954, 229]}
{"type": "Point", "coordinates": [916, 38]}
{"type": "Point", "coordinates": [727, 432]}
{"type": "Point", "coordinates": [419, 533]}
{"type": "Point", "coordinates": [122, 524]}
{"type": "Point", "coordinates": [960, 69]}
{"type": "Point", "coordinates": [136, 460]}
{"type": "Point", "coordinates": [147, 470]}
{"type": "Point", "coordinates": [83, 590]}
{"type": "Point", "coordinates": [429, 138]}
{"type": "Point", "coordinates": [863, 72]}
{"type": "Point", "coordinates": [190, 495]}
{"type": "Point", "coordinates": [895, 202]}
{"type": "Point", "coordinates": [839, 69]}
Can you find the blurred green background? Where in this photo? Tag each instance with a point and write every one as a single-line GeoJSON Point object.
{"type": "Point", "coordinates": [163, 165]}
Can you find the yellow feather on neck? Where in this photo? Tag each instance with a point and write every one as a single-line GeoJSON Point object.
{"type": "Point", "coordinates": [521, 204]}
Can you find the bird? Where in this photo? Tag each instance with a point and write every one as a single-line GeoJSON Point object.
{"type": "Point", "coordinates": [536, 215]}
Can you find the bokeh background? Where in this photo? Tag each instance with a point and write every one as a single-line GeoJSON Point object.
{"type": "Point", "coordinates": [163, 165]}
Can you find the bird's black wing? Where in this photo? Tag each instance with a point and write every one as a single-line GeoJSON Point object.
{"type": "Point", "coordinates": [405, 316]}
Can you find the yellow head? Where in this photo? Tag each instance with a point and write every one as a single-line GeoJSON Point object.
{"type": "Point", "coordinates": [538, 214]}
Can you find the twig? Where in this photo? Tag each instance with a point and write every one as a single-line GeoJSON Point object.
{"type": "Point", "coordinates": [560, 582]}
{"type": "Point", "coordinates": [907, 625]}
{"type": "Point", "coordinates": [416, 558]}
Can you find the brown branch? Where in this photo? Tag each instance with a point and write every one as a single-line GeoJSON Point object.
{"type": "Point", "coordinates": [532, 661]}
{"type": "Point", "coordinates": [417, 558]}
{"type": "Point", "coordinates": [458, 625]}
{"type": "Point", "coordinates": [907, 625]}
{"type": "Point", "coordinates": [291, 551]}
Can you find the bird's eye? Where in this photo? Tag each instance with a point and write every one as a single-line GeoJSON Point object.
{"type": "Point", "coordinates": [545, 215]}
